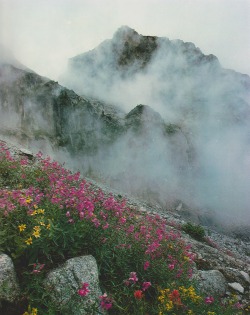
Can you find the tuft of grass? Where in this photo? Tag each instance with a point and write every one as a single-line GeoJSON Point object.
{"type": "Point", "coordinates": [194, 230]}
{"type": "Point", "coordinates": [48, 215]}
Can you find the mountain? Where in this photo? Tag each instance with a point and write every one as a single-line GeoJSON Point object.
{"type": "Point", "coordinates": [150, 116]}
{"type": "Point", "coordinates": [191, 90]}
{"type": "Point", "coordinates": [172, 76]}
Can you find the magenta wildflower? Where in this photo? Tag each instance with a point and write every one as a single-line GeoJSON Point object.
{"type": "Point", "coordinates": [209, 300]}
{"type": "Point", "coordinates": [106, 302]}
{"type": "Point", "coordinates": [133, 277]}
{"type": "Point", "coordinates": [146, 265]}
{"type": "Point", "coordinates": [84, 289]}
{"type": "Point", "coordinates": [146, 285]}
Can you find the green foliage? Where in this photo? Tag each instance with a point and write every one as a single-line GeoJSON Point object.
{"type": "Point", "coordinates": [194, 230]}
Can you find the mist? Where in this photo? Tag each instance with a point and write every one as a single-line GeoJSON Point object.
{"type": "Point", "coordinates": [206, 163]}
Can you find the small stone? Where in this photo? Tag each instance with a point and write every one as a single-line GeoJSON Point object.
{"type": "Point", "coordinates": [237, 287]}
{"type": "Point", "coordinates": [245, 276]}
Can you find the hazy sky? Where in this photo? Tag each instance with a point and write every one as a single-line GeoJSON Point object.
{"type": "Point", "coordinates": [43, 34]}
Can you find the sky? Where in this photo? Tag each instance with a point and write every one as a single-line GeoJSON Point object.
{"type": "Point", "coordinates": [43, 34]}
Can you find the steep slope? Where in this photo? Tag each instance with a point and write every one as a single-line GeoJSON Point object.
{"type": "Point", "coordinates": [90, 135]}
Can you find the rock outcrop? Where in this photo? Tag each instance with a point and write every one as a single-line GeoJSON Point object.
{"type": "Point", "coordinates": [62, 286]}
{"type": "Point", "coordinates": [9, 287]}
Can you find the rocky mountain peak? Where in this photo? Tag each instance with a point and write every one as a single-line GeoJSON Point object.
{"type": "Point", "coordinates": [145, 114]}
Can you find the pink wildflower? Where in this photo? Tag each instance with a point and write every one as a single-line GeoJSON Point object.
{"type": "Point", "coordinates": [133, 277]}
{"type": "Point", "coordinates": [106, 302]}
{"type": "Point", "coordinates": [146, 285]}
{"type": "Point", "coordinates": [209, 300]}
{"type": "Point", "coordinates": [146, 265]}
{"type": "Point", "coordinates": [84, 289]}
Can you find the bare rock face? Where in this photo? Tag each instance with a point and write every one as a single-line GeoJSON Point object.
{"type": "Point", "coordinates": [63, 283]}
{"type": "Point", "coordinates": [9, 287]}
{"type": "Point", "coordinates": [211, 282]}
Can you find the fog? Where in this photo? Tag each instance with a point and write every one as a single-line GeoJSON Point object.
{"type": "Point", "coordinates": [206, 163]}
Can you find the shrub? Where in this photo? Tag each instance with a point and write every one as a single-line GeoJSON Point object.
{"type": "Point", "coordinates": [194, 230]}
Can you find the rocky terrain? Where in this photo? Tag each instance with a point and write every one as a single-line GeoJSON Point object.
{"type": "Point", "coordinates": [222, 262]}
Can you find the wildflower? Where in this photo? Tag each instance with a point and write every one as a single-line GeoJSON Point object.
{"type": "Point", "coordinates": [171, 266]}
{"type": "Point", "coordinates": [33, 212]}
{"type": "Point", "coordinates": [40, 211]}
{"type": "Point", "coordinates": [36, 234]}
{"type": "Point", "coordinates": [209, 300]}
{"type": "Point", "coordinates": [37, 268]}
{"type": "Point", "coordinates": [28, 200]}
{"type": "Point", "coordinates": [146, 285]}
{"type": "Point", "coordinates": [146, 265]}
{"type": "Point", "coordinates": [106, 302]}
{"type": "Point", "coordinates": [133, 277]}
{"type": "Point", "coordinates": [175, 297]}
{"type": "Point", "coordinates": [28, 241]}
{"type": "Point", "coordinates": [30, 311]}
{"type": "Point", "coordinates": [22, 227]}
{"type": "Point", "coordinates": [169, 306]}
{"type": "Point", "coordinates": [211, 313]}
{"type": "Point", "coordinates": [138, 294]}
{"type": "Point", "coordinates": [84, 289]}
{"type": "Point", "coordinates": [48, 227]}
{"type": "Point", "coordinates": [190, 312]}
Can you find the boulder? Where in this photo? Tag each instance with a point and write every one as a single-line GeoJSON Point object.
{"type": "Point", "coordinates": [9, 287]}
{"type": "Point", "coordinates": [62, 285]}
{"type": "Point", "coordinates": [211, 282]}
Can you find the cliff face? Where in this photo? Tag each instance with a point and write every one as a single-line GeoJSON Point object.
{"type": "Point", "coordinates": [36, 108]}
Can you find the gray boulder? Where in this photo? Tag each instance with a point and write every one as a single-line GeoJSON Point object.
{"type": "Point", "coordinates": [9, 287]}
{"type": "Point", "coordinates": [63, 283]}
{"type": "Point", "coordinates": [211, 282]}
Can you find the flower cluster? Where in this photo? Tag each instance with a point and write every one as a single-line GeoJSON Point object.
{"type": "Point", "coordinates": [105, 302]}
{"type": "Point", "coordinates": [84, 289]}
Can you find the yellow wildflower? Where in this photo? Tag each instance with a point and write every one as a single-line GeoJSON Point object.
{"type": "Point", "coordinates": [42, 223]}
{"type": "Point", "coordinates": [36, 234]}
{"type": "Point", "coordinates": [29, 241]}
{"type": "Point", "coordinates": [34, 212]}
{"type": "Point", "coordinates": [35, 206]}
{"type": "Point", "coordinates": [210, 313]}
{"type": "Point", "coordinates": [33, 311]}
{"type": "Point", "coordinates": [22, 227]}
{"type": "Point", "coordinates": [169, 306]}
{"type": "Point", "coordinates": [28, 200]}
{"type": "Point", "coordinates": [48, 227]}
{"type": "Point", "coordinates": [190, 312]}
{"type": "Point", "coordinates": [37, 228]}
{"type": "Point", "coordinates": [39, 211]}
